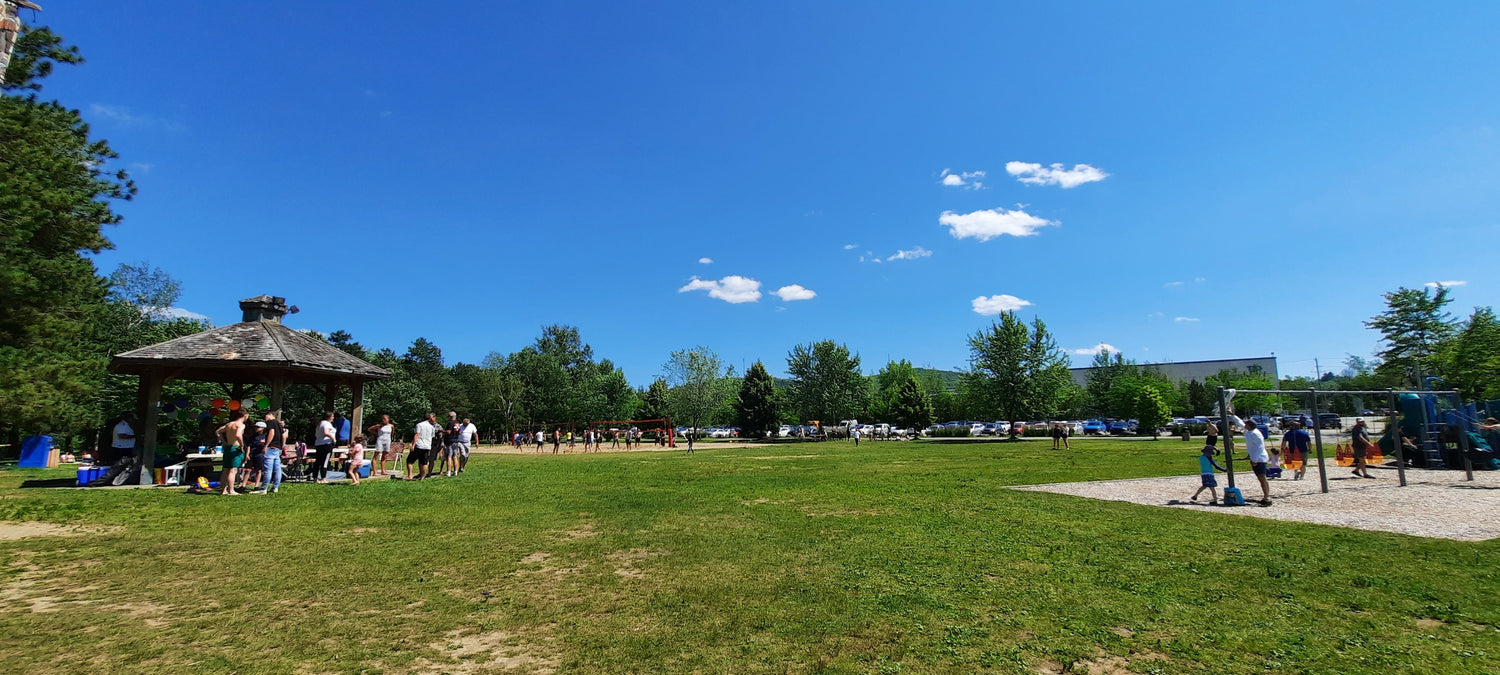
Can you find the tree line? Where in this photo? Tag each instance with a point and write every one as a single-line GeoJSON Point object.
{"type": "Point", "coordinates": [61, 320]}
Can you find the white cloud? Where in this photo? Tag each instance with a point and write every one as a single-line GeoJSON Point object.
{"type": "Point", "coordinates": [706, 261]}
{"type": "Point", "coordinates": [795, 292]}
{"type": "Point", "coordinates": [1156, 315]}
{"type": "Point", "coordinates": [968, 180]}
{"type": "Point", "coordinates": [912, 254]}
{"type": "Point", "coordinates": [1199, 280]}
{"type": "Point", "coordinates": [1036, 174]}
{"type": "Point", "coordinates": [116, 113]}
{"type": "Point", "coordinates": [850, 247]}
{"type": "Point", "coordinates": [988, 224]}
{"type": "Point", "coordinates": [1446, 284]}
{"type": "Point", "coordinates": [996, 304]}
{"type": "Point", "coordinates": [1094, 350]}
{"type": "Point", "coordinates": [1185, 319]}
{"type": "Point", "coordinates": [180, 313]}
{"type": "Point", "coordinates": [733, 289]}
{"type": "Point", "coordinates": [1170, 284]}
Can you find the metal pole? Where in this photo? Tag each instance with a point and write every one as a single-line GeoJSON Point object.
{"type": "Point", "coordinates": [1318, 439]}
{"type": "Point", "coordinates": [1225, 432]}
{"type": "Point", "coordinates": [1394, 428]}
{"type": "Point", "coordinates": [1463, 436]}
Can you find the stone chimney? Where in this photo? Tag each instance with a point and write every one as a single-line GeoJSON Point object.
{"type": "Point", "coordinates": [263, 308]}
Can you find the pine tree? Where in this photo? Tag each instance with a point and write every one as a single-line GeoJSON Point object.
{"type": "Point", "coordinates": [755, 407]}
{"type": "Point", "coordinates": [55, 198]}
{"type": "Point", "coordinates": [1413, 326]}
{"type": "Point", "coordinates": [910, 407]}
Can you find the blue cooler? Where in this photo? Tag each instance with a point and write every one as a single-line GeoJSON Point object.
{"type": "Point", "coordinates": [1233, 497]}
{"type": "Point", "coordinates": [364, 471]}
{"type": "Point", "coordinates": [89, 474]}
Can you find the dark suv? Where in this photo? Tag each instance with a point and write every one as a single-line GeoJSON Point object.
{"type": "Point", "coordinates": [1330, 421]}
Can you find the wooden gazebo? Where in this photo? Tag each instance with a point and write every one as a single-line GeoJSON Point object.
{"type": "Point", "coordinates": [257, 350]}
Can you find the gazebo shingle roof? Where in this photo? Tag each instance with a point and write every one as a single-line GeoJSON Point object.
{"type": "Point", "coordinates": [248, 344]}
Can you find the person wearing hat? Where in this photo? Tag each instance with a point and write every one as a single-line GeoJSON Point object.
{"type": "Point", "coordinates": [1360, 439]}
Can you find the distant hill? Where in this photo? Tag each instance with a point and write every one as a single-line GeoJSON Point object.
{"type": "Point", "coordinates": [949, 377]}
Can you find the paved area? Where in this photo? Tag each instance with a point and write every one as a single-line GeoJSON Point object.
{"type": "Point", "coordinates": [1437, 504]}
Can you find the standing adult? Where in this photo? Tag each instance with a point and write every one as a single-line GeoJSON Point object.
{"type": "Point", "coordinates": [344, 427]}
{"type": "Point", "coordinates": [468, 437]}
{"type": "Point", "coordinates": [270, 468]}
{"type": "Point", "coordinates": [1057, 433]}
{"type": "Point", "coordinates": [452, 444]}
{"type": "Point", "coordinates": [854, 433]}
{"type": "Point", "coordinates": [382, 433]}
{"type": "Point", "coordinates": [1067, 431]}
{"type": "Point", "coordinates": [1359, 437]}
{"type": "Point", "coordinates": [1255, 453]}
{"type": "Point", "coordinates": [325, 435]}
{"type": "Point", "coordinates": [122, 439]}
{"type": "Point", "coordinates": [1294, 446]}
{"type": "Point", "coordinates": [421, 448]}
{"type": "Point", "coordinates": [232, 437]}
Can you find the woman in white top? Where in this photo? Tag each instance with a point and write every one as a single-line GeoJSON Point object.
{"type": "Point", "coordinates": [382, 433]}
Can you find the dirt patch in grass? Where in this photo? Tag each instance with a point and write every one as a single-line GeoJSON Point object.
{"type": "Point", "coordinates": [625, 561]}
{"type": "Point", "coordinates": [584, 531]}
{"type": "Point", "coordinates": [536, 558]}
{"type": "Point", "coordinates": [489, 651]}
{"type": "Point", "coordinates": [1429, 623]}
{"type": "Point", "coordinates": [1106, 664]}
{"type": "Point", "coordinates": [13, 530]}
{"type": "Point", "coordinates": [817, 512]}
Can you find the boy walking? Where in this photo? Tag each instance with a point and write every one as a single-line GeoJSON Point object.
{"type": "Point", "coordinates": [1206, 466]}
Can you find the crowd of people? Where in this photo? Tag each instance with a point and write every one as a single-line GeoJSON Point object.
{"type": "Point", "coordinates": [591, 439]}
{"type": "Point", "coordinates": [257, 455]}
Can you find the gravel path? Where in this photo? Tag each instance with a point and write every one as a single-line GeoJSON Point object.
{"type": "Point", "coordinates": [1433, 504]}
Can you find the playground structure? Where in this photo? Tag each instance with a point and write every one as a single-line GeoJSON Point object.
{"type": "Point", "coordinates": [1441, 429]}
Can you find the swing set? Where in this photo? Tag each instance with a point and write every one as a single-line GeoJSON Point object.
{"type": "Point", "coordinates": [1429, 434]}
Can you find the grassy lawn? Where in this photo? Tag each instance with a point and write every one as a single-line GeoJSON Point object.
{"type": "Point", "coordinates": [904, 557]}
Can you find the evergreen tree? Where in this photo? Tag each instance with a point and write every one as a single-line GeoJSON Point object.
{"type": "Point", "coordinates": [1200, 401]}
{"type": "Point", "coordinates": [654, 401]}
{"type": "Point", "coordinates": [1413, 326]}
{"type": "Point", "coordinates": [1471, 359]}
{"type": "Point", "coordinates": [910, 406]}
{"type": "Point", "coordinates": [56, 191]}
{"type": "Point", "coordinates": [755, 406]}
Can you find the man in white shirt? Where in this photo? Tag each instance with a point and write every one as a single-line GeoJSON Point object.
{"type": "Point", "coordinates": [1255, 453]}
{"type": "Point", "coordinates": [467, 437]}
{"type": "Point", "coordinates": [123, 442]}
{"type": "Point", "coordinates": [421, 451]}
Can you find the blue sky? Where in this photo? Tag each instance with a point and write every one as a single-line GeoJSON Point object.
{"type": "Point", "coordinates": [471, 171]}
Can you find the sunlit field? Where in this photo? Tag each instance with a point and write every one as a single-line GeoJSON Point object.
{"type": "Point", "coordinates": [899, 557]}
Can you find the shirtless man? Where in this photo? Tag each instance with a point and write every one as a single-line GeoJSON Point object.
{"type": "Point", "coordinates": [232, 437]}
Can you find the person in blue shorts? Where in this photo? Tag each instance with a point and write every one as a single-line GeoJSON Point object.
{"type": "Point", "coordinates": [1206, 466]}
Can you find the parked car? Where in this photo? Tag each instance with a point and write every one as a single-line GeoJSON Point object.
{"type": "Point", "coordinates": [784, 430]}
{"type": "Point", "coordinates": [1330, 421]}
{"type": "Point", "coordinates": [1119, 427]}
{"type": "Point", "coordinates": [1095, 428]}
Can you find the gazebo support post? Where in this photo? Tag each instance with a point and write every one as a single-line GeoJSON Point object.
{"type": "Point", "coordinates": [278, 387]}
{"type": "Point", "coordinates": [149, 393]}
{"type": "Point", "coordinates": [357, 416]}
{"type": "Point", "coordinates": [329, 393]}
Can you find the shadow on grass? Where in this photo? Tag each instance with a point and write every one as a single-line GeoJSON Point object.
{"type": "Point", "coordinates": [50, 483]}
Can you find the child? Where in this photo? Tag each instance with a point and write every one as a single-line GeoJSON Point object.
{"type": "Point", "coordinates": [1206, 466]}
{"type": "Point", "coordinates": [356, 457]}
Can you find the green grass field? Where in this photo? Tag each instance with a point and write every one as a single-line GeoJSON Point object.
{"type": "Point", "coordinates": [817, 557]}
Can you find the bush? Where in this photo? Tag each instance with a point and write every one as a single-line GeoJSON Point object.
{"type": "Point", "coordinates": [951, 432]}
{"type": "Point", "coordinates": [1038, 431]}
